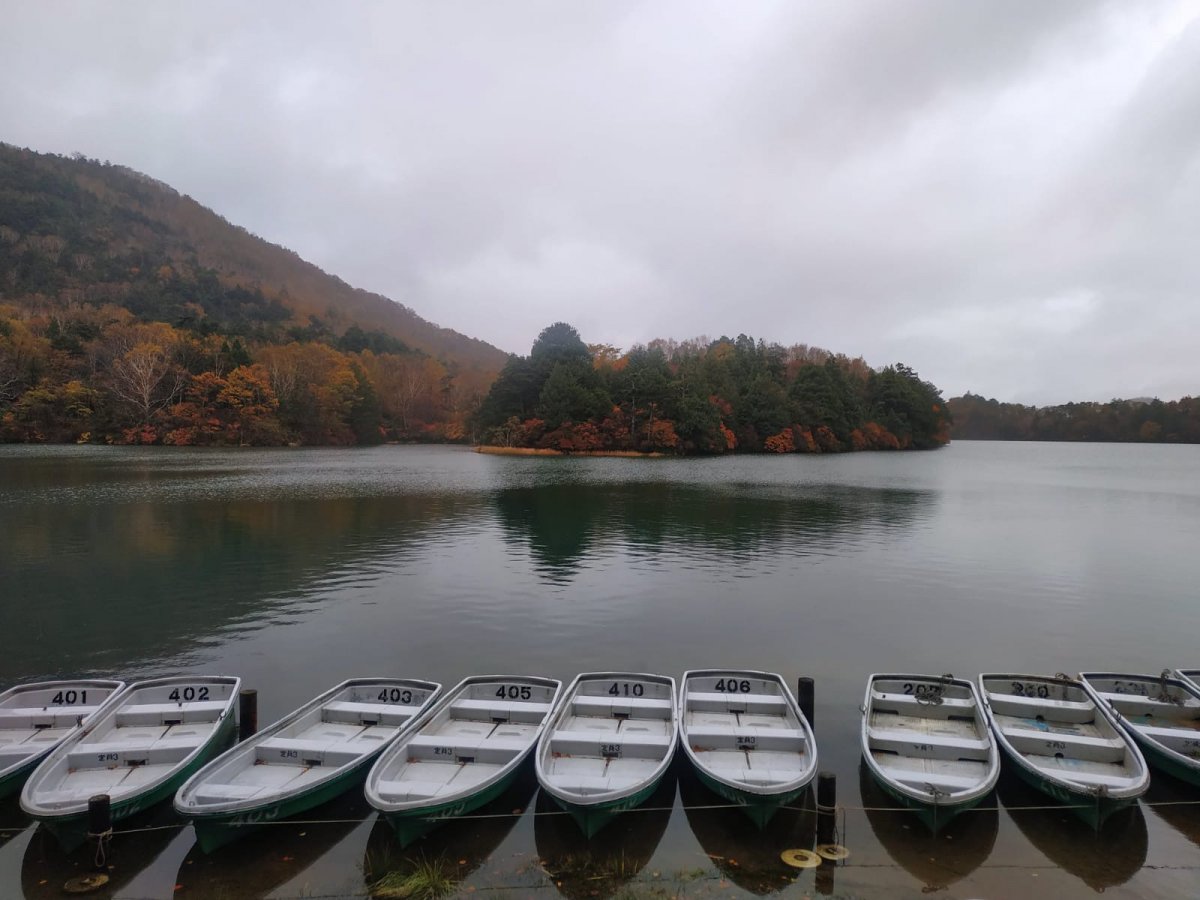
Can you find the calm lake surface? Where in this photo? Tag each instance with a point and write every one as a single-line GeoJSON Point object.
{"type": "Point", "coordinates": [297, 569]}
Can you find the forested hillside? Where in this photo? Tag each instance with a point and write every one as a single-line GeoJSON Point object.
{"type": "Point", "coordinates": [130, 313]}
{"type": "Point", "coordinates": [706, 397]}
{"type": "Point", "coordinates": [1176, 421]}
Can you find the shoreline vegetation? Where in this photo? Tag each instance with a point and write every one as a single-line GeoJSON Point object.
{"type": "Point", "coordinates": [494, 450]}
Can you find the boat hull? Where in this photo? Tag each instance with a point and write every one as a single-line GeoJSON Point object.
{"type": "Point", "coordinates": [1165, 762]}
{"type": "Point", "coordinates": [591, 818]}
{"type": "Point", "coordinates": [12, 783]}
{"type": "Point", "coordinates": [1094, 809]}
{"type": "Point", "coordinates": [215, 831]}
{"type": "Point", "coordinates": [413, 824]}
{"type": "Point", "coordinates": [759, 808]}
{"type": "Point", "coordinates": [72, 830]}
{"type": "Point", "coordinates": [935, 816]}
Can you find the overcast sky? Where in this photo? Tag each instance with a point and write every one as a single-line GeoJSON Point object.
{"type": "Point", "coordinates": [1005, 196]}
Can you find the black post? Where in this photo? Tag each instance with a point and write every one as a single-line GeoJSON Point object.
{"type": "Point", "coordinates": [247, 713]}
{"type": "Point", "coordinates": [826, 807]}
{"type": "Point", "coordinates": [99, 817]}
{"type": "Point", "coordinates": [806, 696]}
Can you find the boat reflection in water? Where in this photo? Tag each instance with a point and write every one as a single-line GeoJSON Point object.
{"type": "Point", "coordinates": [938, 861]}
{"type": "Point", "coordinates": [1176, 803]}
{"type": "Point", "coordinates": [601, 866]}
{"type": "Point", "coordinates": [259, 862]}
{"type": "Point", "coordinates": [46, 866]}
{"type": "Point", "coordinates": [1100, 859]}
{"type": "Point", "coordinates": [455, 849]}
{"type": "Point", "coordinates": [12, 820]}
{"type": "Point", "coordinates": [747, 856]}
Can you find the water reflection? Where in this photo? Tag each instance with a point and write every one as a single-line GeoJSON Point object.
{"type": "Point", "coordinates": [454, 849]}
{"type": "Point", "coordinates": [566, 523]}
{"type": "Point", "coordinates": [260, 862]}
{"type": "Point", "coordinates": [1177, 803]}
{"type": "Point", "coordinates": [1101, 859]}
{"type": "Point", "coordinates": [936, 861]}
{"type": "Point", "coordinates": [746, 855]}
{"type": "Point", "coordinates": [46, 866]}
{"type": "Point", "coordinates": [602, 866]}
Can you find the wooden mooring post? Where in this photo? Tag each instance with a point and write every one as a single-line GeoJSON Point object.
{"type": "Point", "coordinates": [806, 696]}
{"type": "Point", "coordinates": [247, 713]}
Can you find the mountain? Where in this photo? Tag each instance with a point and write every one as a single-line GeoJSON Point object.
{"type": "Point", "coordinates": [80, 230]}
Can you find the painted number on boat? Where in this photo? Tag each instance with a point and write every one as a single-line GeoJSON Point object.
{"type": "Point", "coordinates": [610, 751]}
{"type": "Point", "coordinates": [911, 688]}
{"type": "Point", "coordinates": [395, 695]}
{"type": "Point", "coordinates": [443, 751]}
{"type": "Point", "coordinates": [69, 698]}
{"type": "Point", "coordinates": [732, 686]}
{"type": "Point", "coordinates": [289, 754]}
{"type": "Point", "coordinates": [625, 689]}
{"type": "Point", "coordinates": [923, 748]}
{"type": "Point", "coordinates": [1056, 745]}
{"type": "Point", "coordinates": [1129, 687]}
{"type": "Point", "coordinates": [188, 694]}
{"type": "Point", "coordinates": [108, 757]}
{"type": "Point", "coordinates": [746, 742]}
{"type": "Point", "coordinates": [1026, 689]}
{"type": "Point", "coordinates": [514, 692]}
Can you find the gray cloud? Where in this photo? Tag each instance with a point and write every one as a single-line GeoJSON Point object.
{"type": "Point", "coordinates": [1001, 195]}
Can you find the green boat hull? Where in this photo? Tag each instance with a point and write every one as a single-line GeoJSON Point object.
{"type": "Point", "coordinates": [72, 830]}
{"type": "Point", "coordinates": [412, 825]}
{"type": "Point", "coordinates": [760, 809]}
{"type": "Point", "coordinates": [12, 783]}
{"type": "Point", "coordinates": [593, 817]}
{"type": "Point", "coordinates": [935, 816]}
{"type": "Point", "coordinates": [1091, 808]}
{"type": "Point", "coordinates": [215, 831]}
{"type": "Point", "coordinates": [1164, 762]}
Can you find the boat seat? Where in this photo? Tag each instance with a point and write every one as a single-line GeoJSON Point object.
{"type": "Point", "coordinates": [1185, 739]}
{"type": "Point", "coordinates": [1070, 746]}
{"type": "Point", "coordinates": [760, 704]}
{"type": "Point", "coordinates": [409, 789]}
{"type": "Point", "coordinates": [40, 718]}
{"type": "Point", "coordinates": [749, 738]}
{"type": "Point", "coordinates": [208, 792]}
{"type": "Point", "coordinates": [145, 714]}
{"type": "Point", "coordinates": [927, 746]}
{"type": "Point", "coordinates": [295, 752]}
{"type": "Point", "coordinates": [525, 711]}
{"type": "Point", "coordinates": [1075, 711]}
{"type": "Point", "coordinates": [1133, 705]}
{"type": "Point", "coordinates": [631, 745]}
{"type": "Point", "coordinates": [910, 704]}
{"type": "Point", "coordinates": [639, 707]}
{"type": "Point", "coordinates": [461, 748]}
{"type": "Point", "coordinates": [108, 756]}
{"type": "Point", "coordinates": [347, 712]}
{"type": "Point", "coordinates": [951, 784]}
{"type": "Point", "coordinates": [1093, 779]}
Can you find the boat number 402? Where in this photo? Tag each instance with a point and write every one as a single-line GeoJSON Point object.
{"type": "Point", "coordinates": [188, 693]}
{"type": "Point", "coordinates": [69, 698]}
{"type": "Point", "coordinates": [625, 689]}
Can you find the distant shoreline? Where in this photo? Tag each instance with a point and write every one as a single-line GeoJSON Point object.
{"type": "Point", "coordinates": [538, 451]}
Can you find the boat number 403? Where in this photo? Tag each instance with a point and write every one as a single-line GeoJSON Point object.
{"type": "Point", "coordinates": [188, 693]}
{"type": "Point", "coordinates": [625, 689]}
{"type": "Point", "coordinates": [395, 695]}
{"type": "Point", "coordinates": [69, 698]}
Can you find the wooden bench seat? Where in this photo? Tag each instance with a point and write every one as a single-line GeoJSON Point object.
{"type": "Point", "coordinates": [640, 707]}
{"type": "Point", "coordinates": [348, 712]}
{"type": "Point", "coordinates": [523, 711]}
{"type": "Point", "coordinates": [149, 714]}
{"type": "Point", "coordinates": [758, 704]}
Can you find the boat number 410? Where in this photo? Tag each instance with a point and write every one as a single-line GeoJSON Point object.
{"type": "Point", "coordinates": [625, 689]}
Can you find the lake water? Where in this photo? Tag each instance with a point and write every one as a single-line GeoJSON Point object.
{"type": "Point", "coordinates": [299, 568]}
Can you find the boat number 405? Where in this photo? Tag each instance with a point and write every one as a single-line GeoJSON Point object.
{"type": "Point", "coordinates": [625, 689]}
{"type": "Point", "coordinates": [514, 692]}
{"type": "Point", "coordinates": [188, 693]}
{"type": "Point", "coordinates": [69, 698]}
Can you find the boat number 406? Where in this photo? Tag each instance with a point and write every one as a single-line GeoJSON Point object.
{"type": "Point", "coordinates": [732, 686]}
{"type": "Point", "coordinates": [188, 693]}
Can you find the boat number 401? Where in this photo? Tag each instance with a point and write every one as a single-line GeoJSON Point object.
{"type": "Point", "coordinates": [69, 698]}
{"type": "Point", "coordinates": [188, 693]}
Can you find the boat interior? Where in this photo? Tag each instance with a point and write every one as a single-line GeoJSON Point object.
{"type": "Point", "coordinates": [139, 741]}
{"type": "Point", "coordinates": [928, 735]}
{"type": "Point", "coordinates": [482, 728]}
{"type": "Point", "coordinates": [355, 721]}
{"type": "Point", "coordinates": [613, 734]}
{"type": "Point", "coordinates": [1055, 726]}
{"type": "Point", "coordinates": [1164, 709]}
{"type": "Point", "coordinates": [34, 718]}
{"type": "Point", "coordinates": [742, 729]}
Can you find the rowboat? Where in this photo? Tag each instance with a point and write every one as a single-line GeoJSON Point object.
{"type": "Point", "coordinates": [609, 742]}
{"type": "Point", "coordinates": [461, 753]}
{"type": "Point", "coordinates": [36, 718]}
{"type": "Point", "coordinates": [1190, 675]}
{"type": "Point", "coordinates": [1161, 712]}
{"type": "Point", "coordinates": [138, 749]}
{"type": "Point", "coordinates": [1063, 743]}
{"type": "Point", "coordinates": [305, 759]}
{"type": "Point", "coordinates": [747, 738]}
{"type": "Point", "coordinates": [926, 741]}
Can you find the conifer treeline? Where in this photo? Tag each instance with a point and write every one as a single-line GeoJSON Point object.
{"type": "Point", "coordinates": [1147, 421]}
{"type": "Point", "coordinates": [706, 397]}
